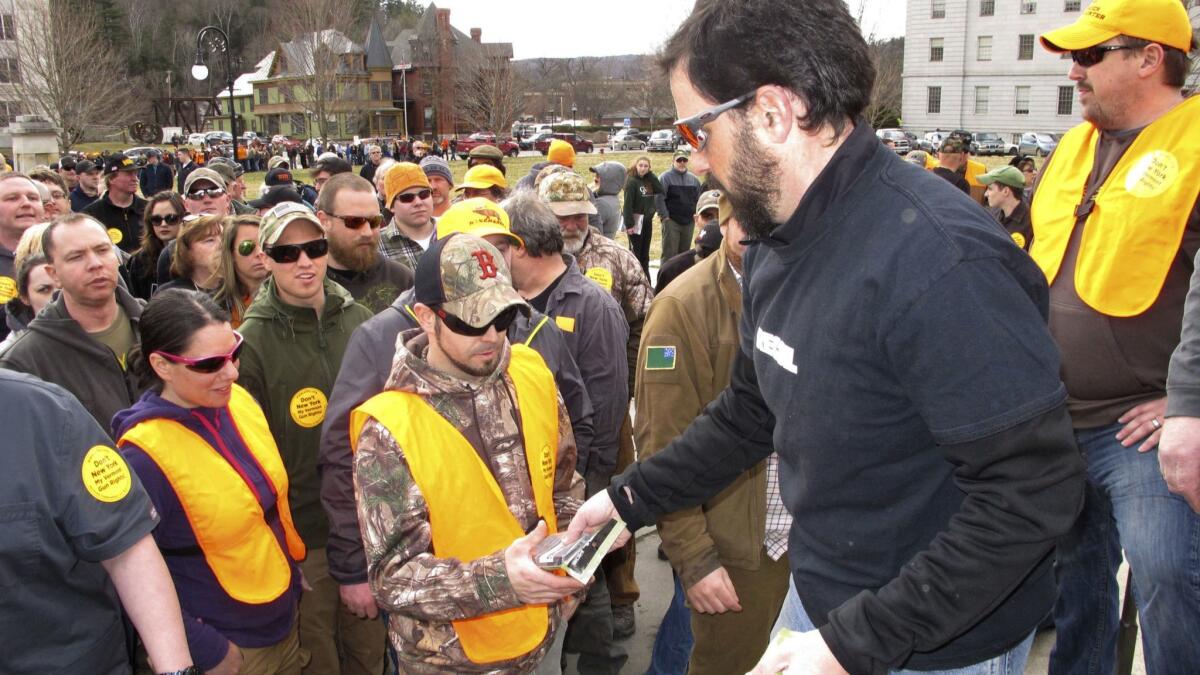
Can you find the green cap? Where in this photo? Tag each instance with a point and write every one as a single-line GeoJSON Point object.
{"type": "Point", "coordinates": [567, 194]}
{"type": "Point", "coordinates": [467, 277]}
{"type": "Point", "coordinates": [1005, 175]}
{"type": "Point", "coordinates": [275, 221]}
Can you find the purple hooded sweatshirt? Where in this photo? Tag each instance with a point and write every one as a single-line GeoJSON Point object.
{"type": "Point", "coordinates": [211, 618]}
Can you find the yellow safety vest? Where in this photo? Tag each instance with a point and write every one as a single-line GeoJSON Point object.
{"type": "Point", "coordinates": [230, 526]}
{"type": "Point", "coordinates": [468, 516]}
{"type": "Point", "coordinates": [1133, 233]}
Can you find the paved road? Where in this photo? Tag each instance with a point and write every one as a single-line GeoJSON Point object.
{"type": "Point", "coordinates": [654, 578]}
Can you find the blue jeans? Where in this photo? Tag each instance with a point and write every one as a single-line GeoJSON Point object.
{"type": "Point", "coordinates": [793, 617]}
{"type": "Point", "coordinates": [1127, 505]}
{"type": "Point", "coordinates": [673, 643]}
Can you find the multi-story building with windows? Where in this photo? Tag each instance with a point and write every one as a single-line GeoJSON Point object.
{"type": "Point", "coordinates": [978, 65]}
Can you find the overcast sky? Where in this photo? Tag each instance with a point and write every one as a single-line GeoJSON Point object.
{"type": "Point", "coordinates": [611, 27]}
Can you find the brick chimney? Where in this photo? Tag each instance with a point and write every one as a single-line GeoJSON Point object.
{"type": "Point", "coordinates": [443, 22]}
{"type": "Point", "coordinates": [476, 34]}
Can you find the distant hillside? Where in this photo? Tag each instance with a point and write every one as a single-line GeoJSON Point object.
{"type": "Point", "coordinates": [605, 66]}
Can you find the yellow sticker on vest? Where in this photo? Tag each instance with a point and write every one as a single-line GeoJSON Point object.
{"type": "Point", "coordinates": [8, 289]}
{"type": "Point", "coordinates": [547, 463]}
{"type": "Point", "coordinates": [601, 276]}
{"type": "Point", "coordinates": [308, 407]}
{"type": "Point", "coordinates": [115, 235]}
{"type": "Point", "coordinates": [105, 474]}
{"type": "Point", "coordinates": [1019, 239]}
{"type": "Point", "coordinates": [567, 323]}
{"type": "Point", "coordinates": [1152, 174]}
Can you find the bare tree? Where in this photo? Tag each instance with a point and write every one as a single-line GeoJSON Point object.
{"type": "Point", "coordinates": [317, 53]}
{"type": "Point", "coordinates": [68, 71]}
{"type": "Point", "coordinates": [650, 95]}
{"type": "Point", "coordinates": [888, 58]}
{"type": "Point", "coordinates": [487, 95]}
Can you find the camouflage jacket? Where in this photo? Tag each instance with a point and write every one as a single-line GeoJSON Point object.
{"type": "Point", "coordinates": [422, 593]}
{"type": "Point", "coordinates": [617, 271]}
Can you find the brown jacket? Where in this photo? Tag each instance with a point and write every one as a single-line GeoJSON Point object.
{"type": "Point", "coordinates": [698, 316]}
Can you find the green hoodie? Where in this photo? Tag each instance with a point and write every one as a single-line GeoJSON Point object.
{"type": "Point", "coordinates": [289, 353]}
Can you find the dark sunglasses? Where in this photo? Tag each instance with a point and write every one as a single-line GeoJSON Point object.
{"type": "Point", "coordinates": [502, 321]}
{"type": "Point", "coordinates": [247, 247]}
{"type": "Point", "coordinates": [1093, 55]}
{"type": "Point", "coordinates": [205, 194]}
{"type": "Point", "coordinates": [170, 219]}
{"type": "Point", "coordinates": [290, 253]}
{"type": "Point", "coordinates": [692, 128]}
{"type": "Point", "coordinates": [356, 222]}
{"type": "Point", "coordinates": [208, 364]}
{"type": "Point", "coordinates": [409, 197]}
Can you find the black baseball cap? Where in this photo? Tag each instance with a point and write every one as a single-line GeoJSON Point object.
{"type": "Point", "coordinates": [279, 177]}
{"type": "Point", "coordinates": [118, 162]}
{"type": "Point", "coordinates": [67, 162]}
{"type": "Point", "coordinates": [85, 165]}
{"type": "Point", "coordinates": [332, 165]}
{"type": "Point", "coordinates": [276, 196]}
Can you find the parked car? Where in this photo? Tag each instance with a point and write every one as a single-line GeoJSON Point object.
{"type": "Point", "coordinates": [663, 140]}
{"type": "Point", "coordinates": [627, 138]}
{"type": "Point", "coordinates": [196, 139]}
{"type": "Point", "coordinates": [464, 145]}
{"type": "Point", "coordinates": [529, 143]}
{"type": "Point", "coordinates": [218, 137]}
{"type": "Point", "coordinates": [931, 141]}
{"type": "Point", "coordinates": [579, 143]}
{"type": "Point", "coordinates": [985, 143]}
{"type": "Point", "coordinates": [898, 138]}
{"type": "Point", "coordinates": [138, 154]}
{"type": "Point", "coordinates": [1037, 144]}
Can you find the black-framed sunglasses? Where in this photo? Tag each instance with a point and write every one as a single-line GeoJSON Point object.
{"type": "Point", "coordinates": [502, 321]}
{"type": "Point", "coordinates": [247, 247]}
{"type": "Point", "coordinates": [692, 128]}
{"type": "Point", "coordinates": [205, 194]}
{"type": "Point", "coordinates": [410, 197]}
{"type": "Point", "coordinates": [170, 219]}
{"type": "Point", "coordinates": [356, 222]}
{"type": "Point", "coordinates": [207, 364]}
{"type": "Point", "coordinates": [290, 253]}
{"type": "Point", "coordinates": [1093, 55]}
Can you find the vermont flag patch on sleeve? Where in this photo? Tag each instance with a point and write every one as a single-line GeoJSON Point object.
{"type": "Point", "coordinates": [660, 358]}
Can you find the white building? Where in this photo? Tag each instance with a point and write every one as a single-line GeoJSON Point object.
{"type": "Point", "coordinates": [10, 103]}
{"type": "Point", "coordinates": [978, 65]}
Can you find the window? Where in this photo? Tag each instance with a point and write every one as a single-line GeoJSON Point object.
{"type": "Point", "coordinates": [938, 9]}
{"type": "Point", "coordinates": [8, 71]}
{"type": "Point", "coordinates": [285, 92]}
{"type": "Point", "coordinates": [1066, 100]}
{"type": "Point", "coordinates": [981, 100]}
{"type": "Point", "coordinates": [937, 48]}
{"type": "Point", "coordinates": [1029, 6]}
{"type": "Point", "coordinates": [298, 124]}
{"type": "Point", "coordinates": [1022, 101]}
{"type": "Point", "coordinates": [8, 30]}
{"type": "Point", "coordinates": [1072, 5]}
{"type": "Point", "coordinates": [935, 101]}
{"type": "Point", "coordinates": [984, 50]}
{"type": "Point", "coordinates": [1025, 48]}
{"type": "Point", "coordinates": [9, 111]}
{"type": "Point", "coordinates": [987, 7]}
{"type": "Point", "coordinates": [262, 95]}
{"type": "Point", "coordinates": [427, 85]}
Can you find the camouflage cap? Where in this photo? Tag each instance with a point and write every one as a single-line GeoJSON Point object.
{"type": "Point", "coordinates": [467, 277]}
{"type": "Point", "coordinates": [567, 194]}
{"type": "Point", "coordinates": [196, 176]}
{"type": "Point", "coordinates": [709, 200]}
{"type": "Point", "coordinates": [953, 144]}
{"type": "Point", "coordinates": [275, 221]}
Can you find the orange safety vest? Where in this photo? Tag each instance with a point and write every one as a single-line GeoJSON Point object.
{"type": "Point", "coordinates": [468, 516]}
{"type": "Point", "coordinates": [1132, 235]}
{"type": "Point", "coordinates": [230, 527]}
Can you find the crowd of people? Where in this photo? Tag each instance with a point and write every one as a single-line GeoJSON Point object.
{"type": "Point", "coordinates": [887, 415]}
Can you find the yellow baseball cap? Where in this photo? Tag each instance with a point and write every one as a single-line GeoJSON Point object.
{"type": "Point", "coordinates": [482, 177]}
{"type": "Point", "coordinates": [477, 217]}
{"type": "Point", "coordinates": [1162, 21]}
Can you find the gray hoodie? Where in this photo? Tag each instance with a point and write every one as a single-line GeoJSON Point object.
{"type": "Point", "coordinates": [608, 196]}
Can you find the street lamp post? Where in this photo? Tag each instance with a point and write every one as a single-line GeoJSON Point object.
{"type": "Point", "coordinates": [574, 115]}
{"type": "Point", "coordinates": [213, 40]}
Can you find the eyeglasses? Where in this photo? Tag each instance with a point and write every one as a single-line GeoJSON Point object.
{"type": "Point", "coordinates": [1093, 55]}
{"type": "Point", "coordinates": [692, 128]}
{"type": "Point", "coordinates": [409, 197]}
{"type": "Point", "coordinates": [208, 364]}
{"type": "Point", "coordinates": [290, 253]}
{"type": "Point", "coordinates": [170, 219]}
{"type": "Point", "coordinates": [205, 194]}
{"type": "Point", "coordinates": [247, 247]}
{"type": "Point", "coordinates": [356, 222]}
{"type": "Point", "coordinates": [502, 321]}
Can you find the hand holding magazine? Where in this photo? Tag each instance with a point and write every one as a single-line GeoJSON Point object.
{"type": "Point", "coordinates": [579, 558]}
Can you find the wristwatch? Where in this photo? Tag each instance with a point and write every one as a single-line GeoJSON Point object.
{"type": "Point", "coordinates": [190, 670]}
